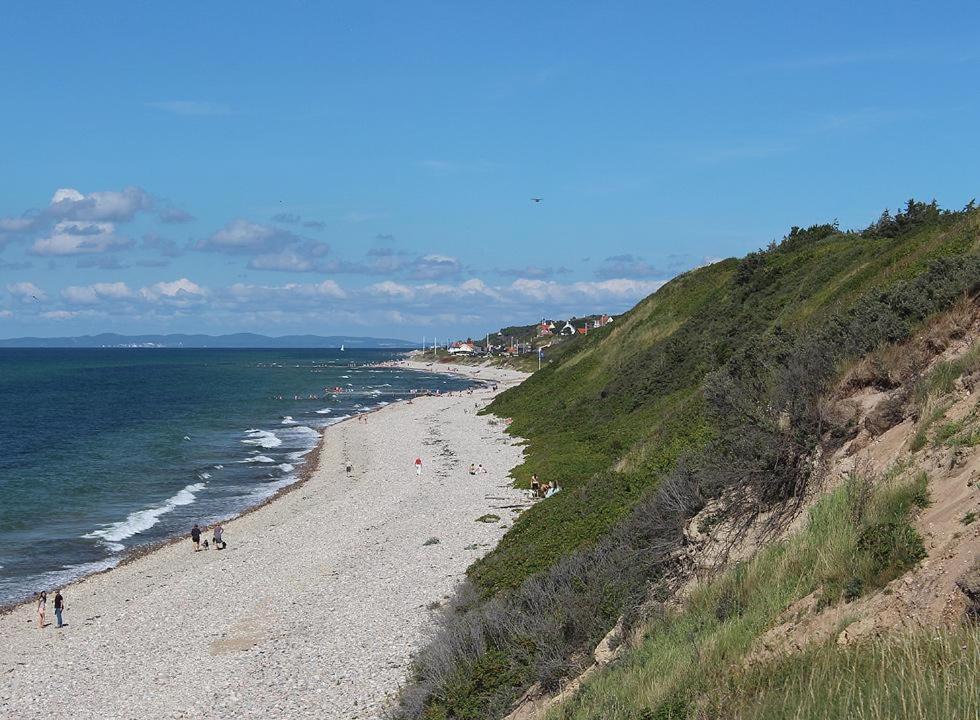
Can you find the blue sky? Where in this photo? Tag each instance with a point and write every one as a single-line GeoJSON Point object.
{"type": "Point", "coordinates": [368, 167]}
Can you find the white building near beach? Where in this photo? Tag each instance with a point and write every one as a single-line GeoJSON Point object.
{"type": "Point", "coordinates": [461, 349]}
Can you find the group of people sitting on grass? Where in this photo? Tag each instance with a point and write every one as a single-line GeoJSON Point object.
{"type": "Point", "coordinates": [543, 490]}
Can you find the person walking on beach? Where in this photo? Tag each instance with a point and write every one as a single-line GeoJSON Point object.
{"type": "Point", "coordinates": [59, 606]}
{"type": "Point", "coordinates": [418, 466]}
{"type": "Point", "coordinates": [42, 604]}
{"type": "Point", "coordinates": [219, 544]}
{"type": "Point", "coordinates": [196, 537]}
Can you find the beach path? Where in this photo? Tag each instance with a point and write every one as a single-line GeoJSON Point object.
{"type": "Point", "coordinates": [314, 607]}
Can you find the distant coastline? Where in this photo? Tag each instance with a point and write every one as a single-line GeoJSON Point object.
{"type": "Point", "coordinates": [236, 341]}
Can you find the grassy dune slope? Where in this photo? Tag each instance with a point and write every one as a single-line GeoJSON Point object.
{"type": "Point", "coordinates": [615, 409]}
{"type": "Point", "coordinates": [710, 386]}
{"type": "Point", "coordinates": [692, 664]}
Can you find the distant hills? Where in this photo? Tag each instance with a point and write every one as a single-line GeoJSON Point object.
{"type": "Point", "coordinates": [237, 340]}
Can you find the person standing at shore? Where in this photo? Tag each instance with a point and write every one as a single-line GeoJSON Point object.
{"type": "Point", "coordinates": [418, 466]}
{"type": "Point", "coordinates": [196, 537]}
{"type": "Point", "coordinates": [59, 607]}
{"type": "Point", "coordinates": [42, 604]}
{"type": "Point", "coordinates": [219, 544]}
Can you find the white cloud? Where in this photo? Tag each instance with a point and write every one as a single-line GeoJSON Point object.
{"type": "Point", "coordinates": [79, 238]}
{"type": "Point", "coordinates": [182, 291]}
{"type": "Point", "coordinates": [288, 293]}
{"type": "Point", "coordinates": [391, 289]}
{"type": "Point", "coordinates": [26, 291]}
{"type": "Point", "coordinates": [6, 314]}
{"type": "Point", "coordinates": [16, 224]}
{"type": "Point", "coordinates": [89, 294]}
{"type": "Point", "coordinates": [75, 223]}
{"type": "Point", "coordinates": [612, 289]}
{"type": "Point", "coordinates": [329, 288]}
{"type": "Point", "coordinates": [242, 236]}
{"type": "Point", "coordinates": [433, 267]}
{"type": "Point", "coordinates": [284, 261]}
{"type": "Point", "coordinates": [110, 205]}
{"type": "Point", "coordinates": [478, 287]}
{"type": "Point", "coordinates": [173, 215]}
{"type": "Point", "coordinates": [471, 305]}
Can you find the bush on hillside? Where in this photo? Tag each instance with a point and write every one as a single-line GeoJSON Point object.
{"type": "Point", "coordinates": [766, 418]}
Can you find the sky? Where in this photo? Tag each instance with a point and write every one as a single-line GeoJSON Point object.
{"type": "Point", "coordinates": [368, 168]}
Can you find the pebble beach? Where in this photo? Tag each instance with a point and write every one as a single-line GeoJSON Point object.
{"type": "Point", "coordinates": [318, 601]}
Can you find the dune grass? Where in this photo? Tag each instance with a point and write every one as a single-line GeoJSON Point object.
{"type": "Point", "coordinates": [921, 676]}
{"type": "Point", "coordinates": [857, 539]}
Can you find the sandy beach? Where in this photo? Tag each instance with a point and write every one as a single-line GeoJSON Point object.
{"type": "Point", "coordinates": [316, 605]}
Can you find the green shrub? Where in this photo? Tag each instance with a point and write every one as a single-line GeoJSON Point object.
{"type": "Point", "coordinates": [692, 659]}
{"type": "Point", "coordinates": [684, 399]}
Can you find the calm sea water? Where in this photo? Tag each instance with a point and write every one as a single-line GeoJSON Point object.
{"type": "Point", "coordinates": [105, 449]}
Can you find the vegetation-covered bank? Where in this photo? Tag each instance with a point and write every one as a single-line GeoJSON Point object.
{"type": "Point", "coordinates": [692, 663]}
{"type": "Point", "coordinates": [711, 386]}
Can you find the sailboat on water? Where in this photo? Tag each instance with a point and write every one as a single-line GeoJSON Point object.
{"type": "Point", "coordinates": [341, 347]}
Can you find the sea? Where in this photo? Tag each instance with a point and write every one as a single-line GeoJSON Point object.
{"type": "Point", "coordinates": [103, 450]}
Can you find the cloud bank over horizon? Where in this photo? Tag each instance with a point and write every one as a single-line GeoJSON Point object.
{"type": "Point", "coordinates": [78, 268]}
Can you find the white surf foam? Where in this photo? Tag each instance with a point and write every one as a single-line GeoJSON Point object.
{"type": "Point", "coordinates": [269, 489]}
{"type": "Point", "coordinates": [288, 420]}
{"type": "Point", "coordinates": [324, 411]}
{"type": "Point", "coordinates": [142, 520]}
{"type": "Point", "coordinates": [258, 459]}
{"type": "Point", "coordinates": [286, 467]}
{"type": "Point", "coordinates": [262, 438]}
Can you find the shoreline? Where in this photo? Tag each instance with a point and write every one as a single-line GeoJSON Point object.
{"type": "Point", "coordinates": [309, 468]}
{"type": "Point", "coordinates": [437, 421]}
{"type": "Point", "coordinates": [135, 553]}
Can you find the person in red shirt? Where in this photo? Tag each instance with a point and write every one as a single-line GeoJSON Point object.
{"type": "Point", "coordinates": [418, 466]}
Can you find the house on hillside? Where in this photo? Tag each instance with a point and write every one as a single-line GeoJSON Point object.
{"type": "Point", "coordinates": [568, 329]}
{"type": "Point", "coordinates": [602, 321]}
{"type": "Point", "coordinates": [546, 329]}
